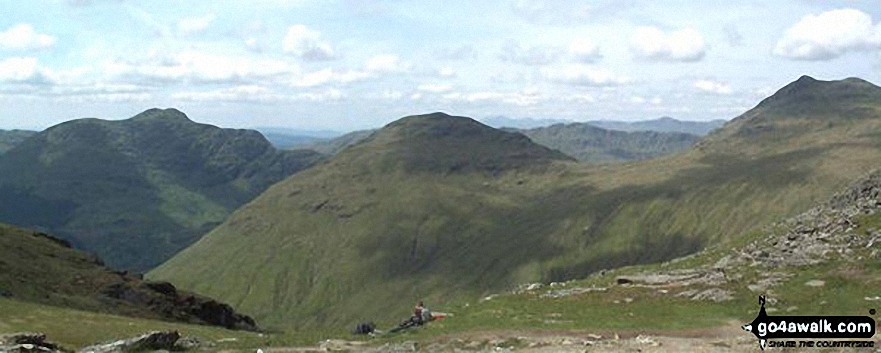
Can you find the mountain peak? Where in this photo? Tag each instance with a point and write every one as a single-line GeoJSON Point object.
{"type": "Point", "coordinates": [805, 79]}
{"type": "Point", "coordinates": [807, 94]}
{"type": "Point", "coordinates": [439, 142]}
{"type": "Point", "coordinates": [435, 124]}
{"type": "Point", "coordinates": [156, 114]}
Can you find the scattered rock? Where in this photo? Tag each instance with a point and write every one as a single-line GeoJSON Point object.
{"type": "Point", "coordinates": [815, 283]}
{"type": "Point", "coordinates": [27, 342]}
{"type": "Point", "coordinates": [714, 294]}
{"type": "Point", "coordinates": [572, 291]}
{"type": "Point", "coordinates": [646, 340]}
{"type": "Point", "coordinates": [187, 343]}
{"type": "Point", "coordinates": [151, 341]}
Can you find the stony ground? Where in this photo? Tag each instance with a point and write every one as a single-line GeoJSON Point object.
{"type": "Point", "coordinates": [723, 339]}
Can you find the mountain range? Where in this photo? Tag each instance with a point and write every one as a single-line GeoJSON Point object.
{"type": "Point", "coordinates": [442, 208]}
{"type": "Point", "coordinates": [591, 144]}
{"type": "Point", "coordinates": [138, 190]}
{"type": "Point", "coordinates": [662, 124]}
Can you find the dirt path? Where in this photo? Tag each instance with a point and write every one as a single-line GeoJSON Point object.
{"type": "Point", "coordinates": [729, 338]}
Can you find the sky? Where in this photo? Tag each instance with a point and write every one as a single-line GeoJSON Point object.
{"type": "Point", "coordinates": [352, 64]}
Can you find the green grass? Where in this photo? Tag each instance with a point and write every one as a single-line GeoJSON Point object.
{"type": "Point", "coordinates": [442, 210]}
{"type": "Point", "coordinates": [76, 329]}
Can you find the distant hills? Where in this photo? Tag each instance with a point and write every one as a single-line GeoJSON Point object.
{"type": "Point", "coordinates": [39, 268]}
{"type": "Point", "coordinates": [10, 138]}
{"type": "Point", "coordinates": [499, 122]}
{"type": "Point", "coordinates": [582, 141]}
{"type": "Point", "coordinates": [663, 124]}
{"type": "Point", "coordinates": [286, 139]}
{"type": "Point", "coordinates": [591, 144]}
{"type": "Point", "coordinates": [334, 145]}
{"type": "Point", "coordinates": [136, 191]}
{"type": "Point", "coordinates": [443, 208]}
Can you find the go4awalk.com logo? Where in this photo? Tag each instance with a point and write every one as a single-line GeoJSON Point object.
{"type": "Point", "coordinates": [825, 331]}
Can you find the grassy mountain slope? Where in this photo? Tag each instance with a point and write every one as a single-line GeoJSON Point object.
{"type": "Point", "coordinates": [820, 262]}
{"type": "Point", "coordinates": [136, 191]}
{"type": "Point", "coordinates": [404, 216]}
{"type": "Point", "coordinates": [663, 124]}
{"type": "Point", "coordinates": [591, 144]}
{"type": "Point", "coordinates": [38, 268]}
{"type": "Point", "coordinates": [10, 138]}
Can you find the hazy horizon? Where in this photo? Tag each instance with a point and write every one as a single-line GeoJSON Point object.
{"type": "Point", "coordinates": [347, 65]}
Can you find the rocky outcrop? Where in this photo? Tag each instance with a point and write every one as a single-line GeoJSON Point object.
{"type": "Point", "coordinates": [27, 342]}
{"type": "Point", "coordinates": [823, 233]}
{"type": "Point", "coordinates": [165, 300]}
{"type": "Point", "coordinates": [148, 342]}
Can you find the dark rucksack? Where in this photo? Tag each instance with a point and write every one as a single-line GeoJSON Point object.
{"type": "Point", "coordinates": [364, 328]}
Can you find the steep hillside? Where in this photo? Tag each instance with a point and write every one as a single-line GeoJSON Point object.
{"type": "Point", "coordinates": [410, 214]}
{"type": "Point", "coordinates": [39, 268]}
{"type": "Point", "coordinates": [137, 191]}
{"type": "Point", "coordinates": [10, 138]}
{"type": "Point", "coordinates": [591, 144]}
{"type": "Point", "coordinates": [663, 124]}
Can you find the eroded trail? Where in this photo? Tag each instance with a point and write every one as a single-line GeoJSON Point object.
{"type": "Point", "coordinates": [728, 338]}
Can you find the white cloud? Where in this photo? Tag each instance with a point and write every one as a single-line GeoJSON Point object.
{"type": "Point", "coordinates": [244, 93]}
{"type": "Point", "coordinates": [582, 98]}
{"type": "Point", "coordinates": [18, 69]}
{"type": "Point", "coordinates": [637, 100]}
{"type": "Point", "coordinates": [200, 67]}
{"type": "Point", "coordinates": [324, 76]}
{"type": "Point", "coordinates": [392, 95]}
{"type": "Point", "coordinates": [435, 88]}
{"type": "Point", "coordinates": [308, 44]}
{"type": "Point", "coordinates": [446, 72]}
{"type": "Point", "coordinates": [581, 75]}
{"type": "Point", "coordinates": [253, 45]}
{"type": "Point", "coordinates": [585, 50]}
{"type": "Point", "coordinates": [713, 87]}
{"type": "Point", "coordinates": [24, 37]}
{"type": "Point", "coordinates": [532, 56]}
{"type": "Point", "coordinates": [194, 25]}
{"type": "Point", "coordinates": [525, 98]}
{"type": "Point", "coordinates": [386, 63]}
{"type": "Point", "coordinates": [464, 52]}
{"type": "Point", "coordinates": [256, 94]}
{"type": "Point", "coordinates": [684, 45]}
{"type": "Point", "coordinates": [829, 35]}
{"type": "Point", "coordinates": [330, 94]}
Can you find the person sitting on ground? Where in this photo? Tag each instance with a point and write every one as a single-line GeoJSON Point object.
{"type": "Point", "coordinates": [417, 313]}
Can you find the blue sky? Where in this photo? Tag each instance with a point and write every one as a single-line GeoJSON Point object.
{"type": "Point", "coordinates": [351, 64]}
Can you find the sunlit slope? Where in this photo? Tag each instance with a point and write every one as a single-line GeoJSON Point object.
{"type": "Point", "coordinates": [407, 215]}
